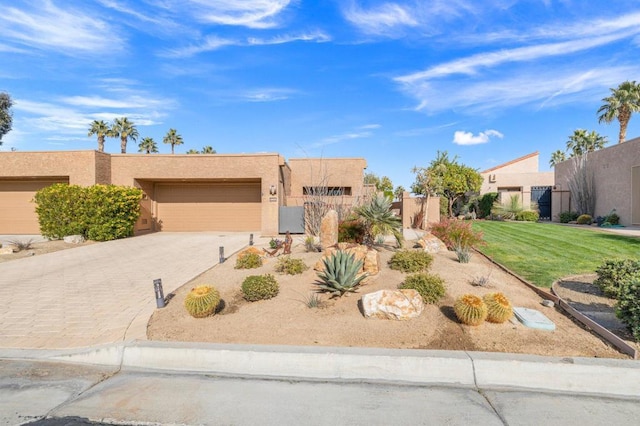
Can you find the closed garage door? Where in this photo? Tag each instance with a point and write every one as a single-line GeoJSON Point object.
{"type": "Point", "coordinates": [17, 212]}
{"type": "Point", "coordinates": [209, 206]}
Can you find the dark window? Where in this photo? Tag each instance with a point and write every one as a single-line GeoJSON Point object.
{"type": "Point", "coordinates": [326, 190]}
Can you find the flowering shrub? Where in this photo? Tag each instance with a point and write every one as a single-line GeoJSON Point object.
{"type": "Point", "coordinates": [456, 234]}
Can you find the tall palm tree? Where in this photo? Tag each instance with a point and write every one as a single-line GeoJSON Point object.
{"type": "Point", "coordinates": [125, 130]}
{"type": "Point", "coordinates": [623, 101]}
{"type": "Point", "coordinates": [208, 150]}
{"type": "Point", "coordinates": [101, 130]}
{"type": "Point", "coordinates": [147, 144]}
{"type": "Point", "coordinates": [557, 157]}
{"type": "Point", "coordinates": [582, 142]}
{"type": "Point", "coordinates": [378, 219]}
{"type": "Point", "coordinates": [172, 137]}
{"type": "Point", "coordinates": [193, 151]}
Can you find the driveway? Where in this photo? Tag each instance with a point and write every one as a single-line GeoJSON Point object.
{"type": "Point", "coordinates": [100, 293]}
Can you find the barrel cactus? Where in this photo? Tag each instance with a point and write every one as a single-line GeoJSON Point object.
{"type": "Point", "coordinates": [341, 273]}
{"type": "Point", "coordinates": [470, 309]}
{"type": "Point", "coordinates": [499, 308]}
{"type": "Point", "coordinates": [202, 301]}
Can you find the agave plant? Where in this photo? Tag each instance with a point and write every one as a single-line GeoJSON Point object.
{"type": "Point", "coordinates": [340, 274]}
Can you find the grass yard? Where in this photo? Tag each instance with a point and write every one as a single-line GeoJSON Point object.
{"type": "Point", "coordinates": [544, 252]}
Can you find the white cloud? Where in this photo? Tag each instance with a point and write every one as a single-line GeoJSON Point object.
{"type": "Point", "coordinates": [318, 37]}
{"type": "Point", "coordinates": [467, 138]}
{"type": "Point", "coordinates": [380, 20]}
{"type": "Point", "coordinates": [258, 14]}
{"type": "Point", "coordinates": [68, 31]}
{"type": "Point", "coordinates": [210, 43]}
{"type": "Point", "coordinates": [267, 95]}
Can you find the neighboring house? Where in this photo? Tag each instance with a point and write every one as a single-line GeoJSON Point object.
{"type": "Point", "coordinates": [616, 177]}
{"type": "Point", "coordinates": [243, 192]}
{"type": "Point", "coordinates": [521, 177]}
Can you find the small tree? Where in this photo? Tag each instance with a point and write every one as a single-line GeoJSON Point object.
{"type": "Point", "coordinates": [378, 219]}
{"type": "Point", "coordinates": [173, 138]}
{"type": "Point", "coordinates": [398, 192]}
{"type": "Point", "coordinates": [624, 101]}
{"type": "Point", "coordinates": [208, 150]}
{"type": "Point", "coordinates": [125, 130]}
{"type": "Point", "coordinates": [147, 145]}
{"type": "Point", "coordinates": [6, 118]}
{"type": "Point", "coordinates": [101, 130]}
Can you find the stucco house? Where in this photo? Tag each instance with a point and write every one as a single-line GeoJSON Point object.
{"type": "Point", "coordinates": [212, 192]}
{"type": "Point", "coordinates": [616, 177]}
{"type": "Point", "coordinates": [521, 177]}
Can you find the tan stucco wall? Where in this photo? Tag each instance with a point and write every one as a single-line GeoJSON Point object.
{"type": "Point", "coordinates": [612, 169]}
{"type": "Point", "coordinates": [522, 173]}
{"type": "Point", "coordinates": [126, 169]}
{"type": "Point", "coordinates": [411, 206]}
{"type": "Point", "coordinates": [81, 167]}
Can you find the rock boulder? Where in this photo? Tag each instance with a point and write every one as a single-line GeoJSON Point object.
{"type": "Point", "coordinates": [393, 304]}
{"type": "Point", "coordinates": [329, 229]}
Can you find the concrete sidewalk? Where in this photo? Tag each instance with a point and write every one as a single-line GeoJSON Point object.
{"type": "Point", "coordinates": [180, 383]}
{"type": "Point", "coordinates": [100, 293]}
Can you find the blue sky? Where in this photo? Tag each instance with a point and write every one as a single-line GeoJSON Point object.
{"type": "Point", "coordinates": [390, 81]}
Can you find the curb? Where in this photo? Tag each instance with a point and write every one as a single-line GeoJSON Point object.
{"type": "Point", "coordinates": [480, 370]}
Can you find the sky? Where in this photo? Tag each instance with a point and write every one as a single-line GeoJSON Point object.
{"type": "Point", "coordinates": [393, 82]}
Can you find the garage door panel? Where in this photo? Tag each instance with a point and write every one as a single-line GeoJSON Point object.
{"type": "Point", "coordinates": [17, 209]}
{"type": "Point", "coordinates": [209, 207]}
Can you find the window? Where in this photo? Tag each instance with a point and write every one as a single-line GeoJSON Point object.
{"type": "Point", "coordinates": [335, 191]}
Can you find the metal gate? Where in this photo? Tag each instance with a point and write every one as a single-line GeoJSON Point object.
{"type": "Point", "coordinates": [541, 195]}
{"type": "Point", "coordinates": [291, 219]}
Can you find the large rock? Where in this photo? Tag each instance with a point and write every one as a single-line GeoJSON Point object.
{"type": "Point", "coordinates": [431, 244]}
{"type": "Point", "coordinates": [370, 257]}
{"type": "Point", "coordinates": [393, 304]}
{"type": "Point", "coordinates": [74, 239]}
{"type": "Point", "coordinates": [329, 229]}
{"type": "Point", "coordinates": [6, 250]}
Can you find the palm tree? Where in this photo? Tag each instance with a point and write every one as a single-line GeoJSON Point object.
{"type": "Point", "coordinates": [124, 129]}
{"type": "Point", "coordinates": [208, 150]}
{"type": "Point", "coordinates": [148, 145]}
{"type": "Point", "coordinates": [623, 101]}
{"type": "Point", "coordinates": [173, 138]}
{"type": "Point", "coordinates": [193, 151]}
{"type": "Point", "coordinates": [101, 129]}
{"type": "Point", "coordinates": [582, 142]}
{"type": "Point", "coordinates": [378, 219]}
{"type": "Point", "coordinates": [557, 157]}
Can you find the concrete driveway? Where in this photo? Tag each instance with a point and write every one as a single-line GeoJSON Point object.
{"type": "Point", "coordinates": [101, 293]}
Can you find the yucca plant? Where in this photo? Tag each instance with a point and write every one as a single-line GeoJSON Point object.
{"type": "Point", "coordinates": [340, 273]}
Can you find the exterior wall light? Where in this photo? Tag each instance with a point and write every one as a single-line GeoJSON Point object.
{"type": "Point", "coordinates": [272, 190]}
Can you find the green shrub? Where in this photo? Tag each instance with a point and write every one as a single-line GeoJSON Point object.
{"type": "Point", "coordinates": [628, 305]}
{"type": "Point", "coordinates": [351, 231]}
{"type": "Point", "coordinates": [290, 266]}
{"type": "Point", "coordinates": [410, 261]}
{"type": "Point", "coordinates": [456, 234]}
{"type": "Point", "coordinates": [430, 287]}
{"type": "Point", "coordinates": [310, 244]}
{"type": "Point", "coordinates": [613, 273]}
{"type": "Point", "coordinates": [509, 209]}
{"type": "Point", "coordinates": [275, 243]}
{"type": "Point", "coordinates": [613, 219]}
{"type": "Point", "coordinates": [567, 216]}
{"type": "Point", "coordinates": [463, 254]}
{"type": "Point", "coordinates": [259, 287]}
{"type": "Point", "coordinates": [99, 212]}
{"type": "Point", "coordinates": [485, 203]}
{"type": "Point", "coordinates": [584, 219]}
{"type": "Point", "coordinates": [249, 261]}
{"type": "Point", "coordinates": [340, 274]}
{"type": "Point", "coordinates": [528, 216]}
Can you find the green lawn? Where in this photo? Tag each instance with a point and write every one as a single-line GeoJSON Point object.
{"type": "Point", "coordinates": [544, 252]}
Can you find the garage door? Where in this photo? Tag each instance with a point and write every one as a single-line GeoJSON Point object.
{"type": "Point", "coordinates": [209, 206]}
{"type": "Point", "coordinates": [17, 212]}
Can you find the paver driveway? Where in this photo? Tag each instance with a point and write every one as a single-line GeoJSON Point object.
{"type": "Point", "coordinates": [101, 293]}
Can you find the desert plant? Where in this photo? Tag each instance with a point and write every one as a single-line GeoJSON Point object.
{"type": "Point", "coordinates": [470, 309]}
{"type": "Point", "coordinates": [584, 219]}
{"type": "Point", "coordinates": [259, 287]}
{"type": "Point", "coordinates": [613, 219]}
{"type": "Point", "coordinates": [248, 261]}
{"type": "Point", "coordinates": [340, 273]}
{"type": "Point", "coordinates": [499, 308]}
{"type": "Point", "coordinates": [410, 261]}
{"type": "Point", "coordinates": [21, 244]}
{"type": "Point", "coordinates": [430, 287]}
{"type": "Point", "coordinates": [290, 266]}
{"type": "Point", "coordinates": [456, 233]}
{"type": "Point", "coordinates": [310, 244]}
{"type": "Point", "coordinates": [528, 216]}
{"type": "Point", "coordinates": [378, 219]}
{"type": "Point", "coordinates": [480, 281]}
{"type": "Point", "coordinates": [628, 305]}
{"type": "Point", "coordinates": [507, 210]}
{"type": "Point", "coordinates": [313, 300]}
{"type": "Point", "coordinates": [613, 273]}
{"type": "Point", "coordinates": [351, 231]}
{"type": "Point", "coordinates": [202, 301]}
{"type": "Point", "coordinates": [568, 216]}
{"type": "Point", "coordinates": [462, 253]}
{"type": "Point", "coordinates": [275, 243]}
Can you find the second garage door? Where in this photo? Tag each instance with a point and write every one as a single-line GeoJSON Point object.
{"type": "Point", "coordinates": [209, 206]}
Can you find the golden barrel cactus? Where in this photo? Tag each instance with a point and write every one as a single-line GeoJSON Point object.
{"type": "Point", "coordinates": [202, 301]}
{"type": "Point", "coordinates": [499, 308]}
{"type": "Point", "coordinates": [470, 309]}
